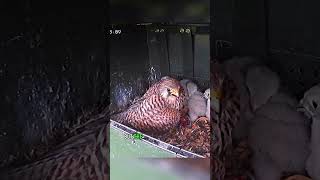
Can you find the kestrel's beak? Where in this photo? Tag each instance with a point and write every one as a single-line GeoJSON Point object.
{"type": "Point", "coordinates": [175, 92]}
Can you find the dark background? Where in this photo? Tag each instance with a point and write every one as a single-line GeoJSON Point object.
{"type": "Point", "coordinates": [139, 56]}
{"type": "Point", "coordinates": [161, 11]}
{"type": "Point", "coordinates": [52, 69]}
{"type": "Point", "coordinates": [284, 33]}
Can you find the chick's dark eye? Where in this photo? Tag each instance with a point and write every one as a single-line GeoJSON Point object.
{"type": "Point", "coordinates": [168, 90]}
{"type": "Point", "coordinates": [314, 104]}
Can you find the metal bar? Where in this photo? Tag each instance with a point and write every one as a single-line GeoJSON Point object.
{"type": "Point", "coordinates": [155, 142]}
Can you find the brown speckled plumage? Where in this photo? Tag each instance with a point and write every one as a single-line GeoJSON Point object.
{"type": "Point", "coordinates": [158, 110]}
{"type": "Point", "coordinates": [83, 156]}
{"type": "Point", "coordinates": [228, 116]}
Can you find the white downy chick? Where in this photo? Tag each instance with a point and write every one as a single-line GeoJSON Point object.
{"type": "Point", "coordinates": [191, 88]}
{"type": "Point", "coordinates": [183, 83]}
{"type": "Point", "coordinates": [207, 96]}
{"type": "Point", "coordinates": [283, 113]}
{"type": "Point", "coordinates": [313, 161]}
{"type": "Point", "coordinates": [237, 67]}
{"type": "Point", "coordinates": [274, 128]}
{"type": "Point", "coordinates": [311, 105]}
{"type": "Point", "coordinates": [197, 106]}
{"type": "Point", "coordinates": [196, 101]}
{"type": "Point", "coordinates": [262, 84]}
{"type": "Point", "coordinates": [282, 97]}
{"type": "Point", "coordinates": [264, 167]}
{"type": "Point", "coordinates": [311, 101]}
{"type": "Point", "coordinates": [280, 143]}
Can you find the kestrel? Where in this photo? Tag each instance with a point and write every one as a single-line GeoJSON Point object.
{"type": "Point", "coordinates": [224, 116]}
{"type": "Point", "coordinates": [158, 110]}
{"type": "Point", "coordinates": [83, 156]}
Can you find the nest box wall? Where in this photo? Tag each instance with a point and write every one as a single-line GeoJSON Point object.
{"type": "Point", "coordinates": [141, 55]}
{"type": "Point", "coordinates": [285, 34]}
{"type": "Point", "coordinates": [159, 11]}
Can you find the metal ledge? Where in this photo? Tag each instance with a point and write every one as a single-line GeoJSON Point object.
{"type": "Point", "coordinates": [155, 142]}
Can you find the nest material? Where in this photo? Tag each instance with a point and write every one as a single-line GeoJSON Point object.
{"type": "Point", "coordinates": [195, 139]}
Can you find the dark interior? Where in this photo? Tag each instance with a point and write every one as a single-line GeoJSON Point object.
{"type": "Point", "coordinates": [161, 11]}
{"type": "Point", "coordinates": [284, 33]}
{"type": "Point", "coordinates": [52, 69]}
{"type": "Point", "coordinates": [141, 55]}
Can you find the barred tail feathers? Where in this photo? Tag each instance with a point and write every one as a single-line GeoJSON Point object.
{"type": "Point", "coordinates": [120, 117]}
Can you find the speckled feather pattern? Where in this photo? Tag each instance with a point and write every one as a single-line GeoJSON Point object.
{"type": "Point", "coordinates": [153, 113]}
{"type": "Point", "coordinates": [228, 116]}
{"type": "Point", "coordinates": [84, 156]}
{"type": "Point", "coordinates": [217, 169]}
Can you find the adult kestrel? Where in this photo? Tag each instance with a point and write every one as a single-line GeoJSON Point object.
{"type": "Point", "coordinates": [224, 115]}
{"type": "Point", "coordinates": [158, 110]}
{"type": "Point", "coordinates": [83, 156]}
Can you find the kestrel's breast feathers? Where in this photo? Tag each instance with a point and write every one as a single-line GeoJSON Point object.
{"type": "Point", "coordinates": [158, 110]}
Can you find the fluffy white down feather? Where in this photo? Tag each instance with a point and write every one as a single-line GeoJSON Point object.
{"type": "Point", "coordinates": [282, 97]}
{"type": "Point", "coordinates": [237, 67]}
{"type": "Point", "coordinates": [313, 161]}
{"type": "Point", "coordinates": [207, 96]}
{"type": "Point", "coordinates": [191, 88]}
{"type": "Point", "coordinates": [285, 145]}
{"type": "Point", "coordinates": [282, 113]}
{"type": "Point", "coordinates": [311, 105]}
{"type": "Point", "coordinates": [311, 101]}
{"type": "Point", "coordinates": [265, 168]}
{"type": "Point", "coordinates": [262, 84]}
{"type": "Point", "coordinates": [197, 105]}
{"type": "Point", "coordinates": [183, 83]}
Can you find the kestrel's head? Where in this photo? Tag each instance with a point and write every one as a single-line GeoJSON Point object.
{"type": "Point", "coordinates": [170, 88]}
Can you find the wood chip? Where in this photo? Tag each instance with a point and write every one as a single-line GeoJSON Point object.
{"type": "Point", "coordinates": [195, 138]}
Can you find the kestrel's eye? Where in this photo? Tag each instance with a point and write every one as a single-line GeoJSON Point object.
{"type": "Point", "coordinates": [169, 90]}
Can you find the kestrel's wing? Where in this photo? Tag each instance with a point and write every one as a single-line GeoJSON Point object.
{"type": "Point", "coordinates": [217, 168]}
{"type": "Point", "coordinates": [158, 120]}
{"type": "Point", "coordinates": [84, 156]}
{"type": "Point", "coordinates": [229, 113]}
{"type": "Point", "coordinates": [138, 110]}
{"type": "Point", "coordinates": [152, 114]}
{"type": "Point", "coordinates": [153, 90]}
